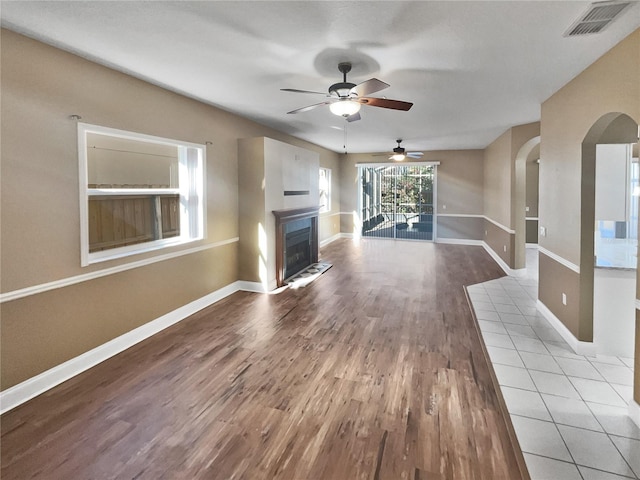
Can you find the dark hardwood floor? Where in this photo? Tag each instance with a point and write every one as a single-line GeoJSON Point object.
{"type": "Point", "coordinates": [373, 371]}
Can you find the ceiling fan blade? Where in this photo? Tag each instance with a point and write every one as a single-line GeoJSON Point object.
{"type": "Point", "coordinates": [381, 154]}
{"type": "Point", "coordinates": [368, 87]}
{"type": "Point", "coordinates": [354, 117]}
{"type": "Point", "coordinates": [384, 103]}
{"type": "Point", "coordinates": [295, 90]}
{"type": "Point", "coordinates": [414, 154]}
{"type": "Point", "coordinates": [309, 107]}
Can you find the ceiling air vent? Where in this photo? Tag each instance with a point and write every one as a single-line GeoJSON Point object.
{"type": "Point", "coordinates": [596, 18]}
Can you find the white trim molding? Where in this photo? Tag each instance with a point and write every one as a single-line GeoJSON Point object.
{"type": "Point", "coordinates": [506, 229]}
{"type": "Point", "coordinates": [637, 304]}
{"type": "Point", "coordinates": [459, 241]}
{"type": "Point", "coordinates": [85, 277]}
{"type": "Point", "coordinates": [580, 347]}
{"type": "Point", "coordinates": [531, 245]}
{"type": "Point", "coordinates": [18, 394]}
{"type": "Point", "coordinates": [559, 259]}
{"type": "Point", "coordinates": [634, 412]}
{"type": "Point", "coordinates": [475, 215]}
{"type": "Point", "coordinates": [255, 287]}
{"type": "Point", "coordinates": [513, 272]}
{"type": "Point", "coordinates": [532, 219]}
{"type": "Point", "coordinates": [466, 215]}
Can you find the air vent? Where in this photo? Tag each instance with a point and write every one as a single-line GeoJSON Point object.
{"type": "Point", "coordinates": [596, 18]}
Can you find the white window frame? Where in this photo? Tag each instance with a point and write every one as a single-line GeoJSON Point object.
{"type": "Point", "coordinates": [191, 188]}
{"type": "Point", "coordinates": [327, 172]}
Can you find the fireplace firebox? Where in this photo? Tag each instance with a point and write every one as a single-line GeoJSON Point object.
{"type": "Point", "coordinates": [296, 241]}
{"type": "Point", "coordinates": [297, 251]}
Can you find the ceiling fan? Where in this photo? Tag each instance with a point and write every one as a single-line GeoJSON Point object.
{"type": "Point", "coordinates": [399, 153]}
{"type": "Point", "coordinates": [346, 98]}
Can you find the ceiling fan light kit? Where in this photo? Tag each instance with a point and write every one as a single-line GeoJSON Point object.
{"type": "Point", "coordinates": [344, 107]}
{"type": "Point", "coordinates": [346, 98]}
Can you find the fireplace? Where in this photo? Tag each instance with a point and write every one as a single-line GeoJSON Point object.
{"type": "Point", "coordinates": [297, 250]}
{"type": "Point", "coordinates": [296, 241]}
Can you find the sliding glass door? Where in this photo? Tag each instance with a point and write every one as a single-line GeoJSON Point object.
{"type": "Point", "coordinates": [397, 201]}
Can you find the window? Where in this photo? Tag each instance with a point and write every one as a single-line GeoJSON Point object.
{"type": "Point", "coordinates": [397, 201]}
{"type": "Point", "coordinates": [325, 189]}
{"type": "Point", "coordinates": [137, 193]}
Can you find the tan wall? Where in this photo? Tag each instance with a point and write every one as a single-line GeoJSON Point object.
{"type": "Point", "coordinates": [329, 225]}
{"type": "Point", "coordinates": [460, 181]}
{"type": "Point", "coordinates": [504, 187]}
{"type": "Point", "coordinates": [532, 231]}
{"type": "Point", "coordinates": [44, 330]}
{"type": "Point", "coordinates": [468, 228]}
{"type": "Point", "coordinates": [559, 280]}
{"type": "Point", "coordinates": [251, 175]}
{"type": "Point", "coordinates": [533, 173]}
{"type": "Point", "coordinates": [521, 134]}
{"type": "Point", "coordinates": [497, 179]}
{"type": "Point", "coordinates": [609, 85]}
{"type": "Point", "coordinates": [459, 184]}
{"type": "Point", "coordinates": [41, 87]}
{"type": "Point", "coordinates": [500, 241]}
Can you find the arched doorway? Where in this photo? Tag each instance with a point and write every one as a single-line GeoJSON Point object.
{"type": "Point", "coordinates": [612, 128]}
{"type": "Point", "coordinates": [520, 200]}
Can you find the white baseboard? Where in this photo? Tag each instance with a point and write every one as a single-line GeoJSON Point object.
{"type": "Point", "coordinates": [581, 348]}
{"type": "Point", "coordinates": [255, 287]}
{"type": "Point", "coordinates": [459, 241]}
{"type": "Point", "coordinates": [531, 245]}
{"type": "Point", "coordinates": [333, 238]}
{"type": "Point", "coordinates": [514, 272]}
{"type": "Point", "coordinates": [18, 394]}
{"type": "Point", "coordinates": [634, 412]}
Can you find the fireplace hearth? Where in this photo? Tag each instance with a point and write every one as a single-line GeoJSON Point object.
{"type": "Point", "coordinates": [296, 241]}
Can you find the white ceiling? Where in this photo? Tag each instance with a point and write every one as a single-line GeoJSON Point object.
{"type": "Point", "coordinates": [472, 69]}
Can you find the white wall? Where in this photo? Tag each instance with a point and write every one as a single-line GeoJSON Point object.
{"type": "Point", "coordinates": [614, 293]}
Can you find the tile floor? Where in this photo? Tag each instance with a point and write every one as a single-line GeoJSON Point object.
{"type": "Point", "coordinates": [569, 411]}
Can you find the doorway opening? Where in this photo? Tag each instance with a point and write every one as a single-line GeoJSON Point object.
{"type": "Point", "coordinates": [615, 249]}
{"type": "Point", "coordinates": [398, 201]}
{"type": "Point", "coordinates": [526, 203]}
{"type": "Point", "coordinates": [608, 205]}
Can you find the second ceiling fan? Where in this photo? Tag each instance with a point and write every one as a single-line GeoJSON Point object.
{"type": "Point", "coordinates": [399, 153]}
{"type": "Point", "coordinates": [346, 98]}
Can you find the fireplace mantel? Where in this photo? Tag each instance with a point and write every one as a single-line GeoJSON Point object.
{"type": "Point", "coordinates": [292, 214]}
{"type": "Point", "coordinates": [287, 216]}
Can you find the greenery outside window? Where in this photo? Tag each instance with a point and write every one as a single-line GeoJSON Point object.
{"type": "Point", "coordinates": [138, 193]}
